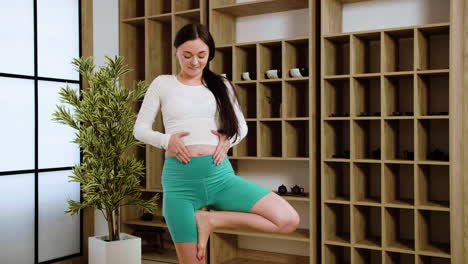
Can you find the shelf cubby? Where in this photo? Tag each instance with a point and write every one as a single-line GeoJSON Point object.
{"type": "Point", "coordinates": [434, 182]}
{"type": "Point", "coordinates": [399, 258]}
{"type": "Point", "coordinates": [133, 9]}
{"type": "Point", "coordinates": [365, 54]}
{"type": "Point", "coordinates": [398, 95]}
{"type": "Point", "coordinates": [247, 97]}
{"type": "Point", "coordinates": [366, 94]}
{"type": "Point", "coordinates": [367, 256]}
{"type": "Point", "coordinates": [399, 139]}
{"type": "Point", "coordinates": [367, 182]}
{"type": "Point", "coordinates": [159, 42]}
{"type": "Point", "coordinates": [245, 60]}
{"type": "Point", "coordinates": [367, 229]}
{"type": "Point", "coordinates": [336, 98]}
{"type": "Point", "coordinates": [270, 100]}
{"type": "Point", "coordinates": [184, 5]}
{"type": "Point", "coordinates": [222, 62]}
{"type": "Point", "coordinates": [270, 139]}
{"type": "Point", "coordinates": [337, 51]}
{"type": "Point", "coordinates": [270, 58]}
{"type": "Point", "coordinates": [433, 260]}
{"type": "Point", "coordinates": [399, 228]}
{"type": "Point", "coordinates": [295, 55]}
{"type": "Point", "coordinates": [337, 255]}
{"type": "Point", "coordinates": [434, 231]}
{"type": "Point", "coordinates": [398, 50]}
{"type": "Point", "coordinates": [336, 137]}
{"type": "Point", "coordinates": [399, 184]}
{"type": "Point", "coordinates": [337, 223]}
{"type": "Point", "coordinates": [134, 50]}
{"type": "Point", "coordinates": [248, 146]}
{"type": "Point", "coordinates": [433, 139]}
{"type": "Point", "coordinates": [433, 45]}
{"type": "Point", "coordinates": [433, 94]}
{"type": "Point", "coordinates": [336, 183]}
{"type": "Point", "coordinates": [158, 7]}
{"type": "Point", "coordinates": [366, 134]}
{"type": "Point", "coordinates": [296, 138]}
{"type": "Point", "coordinates": [296, 98]}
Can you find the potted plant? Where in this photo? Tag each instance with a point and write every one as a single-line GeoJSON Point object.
{"type": "Point", "coordinates": [109, 175]}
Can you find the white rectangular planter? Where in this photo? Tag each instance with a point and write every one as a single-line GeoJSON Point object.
{"type": "Point", "coordinates": [125, 251]}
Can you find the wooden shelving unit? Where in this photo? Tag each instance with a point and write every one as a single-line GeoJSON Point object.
{"type": "Point", "coordinates": [280, 113]}
{"type": "Point", "coordinates": [147, 32]}
{"type": "Point", "coordinates": [389, 192]}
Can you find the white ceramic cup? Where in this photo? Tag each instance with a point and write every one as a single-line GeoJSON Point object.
{"type": "Point", "coordinates": [295, 72]}
{"type": "Point", "coordinates": [246, 76]}
{"type": "Point", "coordinates": [272, 74]}
{"type": "Point", "coordinates": [224, 75]}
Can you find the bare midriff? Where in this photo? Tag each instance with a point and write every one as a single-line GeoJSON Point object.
{"type": "Point", "coordinates": [195, 150]}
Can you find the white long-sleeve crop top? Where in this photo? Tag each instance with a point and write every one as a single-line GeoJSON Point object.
{"type": "Point", "coordinates": [185, 108]}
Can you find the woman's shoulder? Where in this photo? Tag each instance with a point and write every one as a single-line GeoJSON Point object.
{"type": "Point", "coordinates": [161, 82]}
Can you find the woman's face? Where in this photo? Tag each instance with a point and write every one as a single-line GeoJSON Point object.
{"type": "Point", "coordinates": [193, 56]}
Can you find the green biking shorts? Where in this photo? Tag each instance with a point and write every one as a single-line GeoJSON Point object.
{"type": "Point", "coordinates": [201, 183]}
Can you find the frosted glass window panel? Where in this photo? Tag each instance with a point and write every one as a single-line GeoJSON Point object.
{"type": "Point", "coordinates": [17, 41]}
{"type": "Point", "coordinates": [17, 214]}
{"type": "Point", "coordinates": [55, 147]}
{"type": "Point", "coordinates": [17, 119]}
{"type": "Point", "coordinates": [59, 233]}
{"type": "Point", "coordinates": [58, 38]}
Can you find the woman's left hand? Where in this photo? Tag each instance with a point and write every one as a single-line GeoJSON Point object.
{"type": "Point", "coordinates": [222, 148]}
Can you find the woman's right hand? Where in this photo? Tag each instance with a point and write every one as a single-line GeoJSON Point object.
{"type": "Point", "coordinates": [178, 148]}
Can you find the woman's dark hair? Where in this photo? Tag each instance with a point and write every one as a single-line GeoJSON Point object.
{"type": "Point", "coordinates": [229, 125]}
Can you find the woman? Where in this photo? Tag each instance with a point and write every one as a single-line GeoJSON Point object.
{"type": "Point", "coordinates": [202, 120]}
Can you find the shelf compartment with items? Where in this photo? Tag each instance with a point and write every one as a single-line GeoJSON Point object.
{"type": "Point", "coordinates": [270, 137]}
{"type": "Point", "coordinates": [245, 61]}
{"type": "Point", "coordinates": [433, 140]}
{"type": "Point", "coordinates": [248, 146]}
{"type": "Point", "coordinates": [399, 184]}
{"type": "Point", "coordinates": [398, 50]}
{"type": "Point", "coordinates": [398, 95]}
{"type": "Point", "coordinates": [337, 254]}
{"type": "Point", "coordinates": [270, 60]}
{"type": "Point", "coordinates": [433, 94]}
{"type": "Point", "coordinates": [222, 62]}
{"type": "Point", "coordinates": [367, 183]}
{"type": "Point", "coordinates": [296, 99]}
{"type": "Point", "coordinates": [434, 232]}
{"type": "Point", "coordinates": [158, 7]}
{"type": "Point", "coordinates": [366, 95]}
{"type": "Point", "coordinates": [433, 184]}
{"type": "Point", "coordinates": [367, 143]}
{"type": "Point", "coordinates": [336, 139]}
{"type": "Point", "coordinates": [296, 58]}
{"type": "Point", "coordinates": [337, 53]}
{"type": "Point", "coordinates": [296, 138]}
{"type": "Point", "coordinates": [224, 250]}
{"type": "Point", "coordinates": [399, 229]}
{"type": "Point", "coordinates": [366, 50]}
{"type": "Point", "coordinates": [433, 47]}
{"type": "Point", "coordinates": [336, 94]}
{"type": "Point", "coordinates": [270, 100]}
{"type": "Point", "coordinates": [399, 139]}
{"type": "Point", "coordinates": [159, 42]}
{"type": "Point", "coordinates": [336, 181]}
{"type": "Point", "coordinates": [367, 256]}
{"type": "Point", "coordinates": [337, 223]}
{"type": "Point", "coordinates": [367, 229]}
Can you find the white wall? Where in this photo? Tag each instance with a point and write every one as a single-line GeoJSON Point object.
{"type": "Point", "coordinates": [356, 16]}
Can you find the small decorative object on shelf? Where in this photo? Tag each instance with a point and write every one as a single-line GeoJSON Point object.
{"type": "Point", "coordinates": [248, 76]}
{"type": "Point", "coordinates": [438, 155]}
{"type": "Point", "coordinates": [377, 114]}
{"type": "Point", "coordinates": [282, 189]}
{"type": "Point", "coordinates": [376, 153]}
{"type": "Point", "coordinates": [299, 72]}
{"type": "Point", "coordinates": [437, 113]}
{"type": "Point", "coordinates": [227, 75]}
{"type": "Point", "coordinates": [409, 155]}
{"type": "Point", "coordinates": [273, 74]}
{"type": "Point", "coordinates": [364, 114]}
{"type": "Point", "coordinates": [147, 217]}
{"type": "Point", "coordinates": [339, 115]}
{"type": "Point", "coordinates": [297, 190]}
{"type": "Point", "coordinates": [396, 113]}
{"type": "Point", "coordinates": [344, 155]}
{"type": "Point", "coordinates": [275, 104]}
{"type": "Point", "coordinates": [409, 113]}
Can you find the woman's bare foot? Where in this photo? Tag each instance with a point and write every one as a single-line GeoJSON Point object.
{"type": "Point", "coordinates": [204, 227]}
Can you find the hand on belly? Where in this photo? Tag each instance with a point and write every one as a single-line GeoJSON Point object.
{"type": "Point", "coordinates": [196, 150]}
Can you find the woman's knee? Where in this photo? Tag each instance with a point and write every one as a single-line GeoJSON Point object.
{"type": "Point", "coordinates": [288, 222]}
